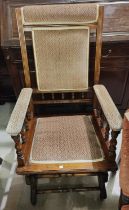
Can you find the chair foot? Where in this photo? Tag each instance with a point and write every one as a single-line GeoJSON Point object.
{"type": "Point", "coordinates": [33, 188]}
{"type": "Point", "coordinates": [102, 178]}
{"type": "Point", "coordinates": [1, 160]}
{"type": "Point", "coordinates": [28, 179]}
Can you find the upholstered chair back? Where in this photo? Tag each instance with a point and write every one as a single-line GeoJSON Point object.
{"type": "Point", "coordinates": [60, 39]}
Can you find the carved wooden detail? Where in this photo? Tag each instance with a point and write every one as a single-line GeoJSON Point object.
{"type": "Point", "coordinates": [23, 137]}
{"type": "Point", "coordinates": [112, 145]}
{"type": "Point", "coordinates": [18, 147]}
{"type": "Point", "coordinates": [105, 131]}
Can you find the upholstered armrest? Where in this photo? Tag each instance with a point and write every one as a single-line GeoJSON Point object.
{"type": "Point", "coordinates": [109, 109]}
{"type": "Point", "coordinates": [19, 112]}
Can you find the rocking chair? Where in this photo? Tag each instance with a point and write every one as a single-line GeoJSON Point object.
{"type": "Point", "coordinates": [63, 145]}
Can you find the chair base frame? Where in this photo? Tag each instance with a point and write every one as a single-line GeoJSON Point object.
{"type": "Point", "coordinates": [32, 180]}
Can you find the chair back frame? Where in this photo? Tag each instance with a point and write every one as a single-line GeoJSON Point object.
{"type": "Point", "coordinates": [22, 28]}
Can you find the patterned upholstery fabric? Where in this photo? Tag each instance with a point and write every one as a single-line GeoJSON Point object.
{"type": "Point", "coordinates": [127, 115]}
{"type": "Point", "coordinates": [18, 115]}
{"type": "Point", "coordinates": [124, 164]}
{"type": "Point", "coordinates": [111, 113]}
{"type": "Point", "coordinates": [61, 53]}
{"type": "Point", "coordinates": [61, 58]}
{"type": "Point", "coordinates": [60, 14]}
{"type": "Point", "coordinates": [126, 207]}
{"type": "Point", "coordinates": [65, 139]}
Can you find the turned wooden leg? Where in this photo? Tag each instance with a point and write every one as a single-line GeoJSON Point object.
{"type": "Point", "coordinates": [28, 179]}
{"type": "Point", "coordinates": [102, 178]}
{"type": "Point", "coordinates": [33, 188]}
{"type": "Point", "coordinates": [23, 137]}
{"type": "Point", "coordinates": [1, 160]}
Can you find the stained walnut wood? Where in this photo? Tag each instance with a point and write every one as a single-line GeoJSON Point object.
{"type": "Point", "coordinates": [23, 48]}
{"type": "Point", "coordinates": [98, 45]}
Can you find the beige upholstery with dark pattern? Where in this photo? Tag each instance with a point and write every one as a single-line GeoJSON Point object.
{"type": "Point", "coordinates": [111, 112]}
{"type": "Point", "coordinates": [18, 115]}
{"type": "Point", "coordinates": [61, 52]}
{"type": "Point", "coordinates": [61, 58]}
{"type": "Point", "coordinates": [58, 14]}
{"type": "Point", "coordinates": [72, 138]}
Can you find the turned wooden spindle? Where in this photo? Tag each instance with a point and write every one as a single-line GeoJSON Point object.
{"type": "Point", "coordinates": [96, 112]}
{"type": "Point", "coordinates": [62, 96]}
{"type": "Point", "coordinates": [43, 96]}
{"type": "Point", "coordinates": [73, 96]}
{"type": "Point", "coordinates": [26, 124]}
{"type": "Point", "coordinates": [112, 145]}
{"type": "Point", "coordinates": [28, 115]}
{"type": "Point", "coordinates": [29, 112]}
{"type": "Point", "coordinates": [18, 147]}
{"type": "Point", "coordinates": [100, 118]}
{"type": "Point", "coordinates": [53, 96]}
{"type": "Point", "coordinates": [83, 96]}
{"type": "Point", "coordinates": [23, 137]}
{"type": "Point", "coordinates": [106, 131]}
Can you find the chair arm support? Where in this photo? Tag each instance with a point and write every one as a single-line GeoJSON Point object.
{"type": "Point", "coordinates": [109, 109]}
{"type": "Point", "coordinates": [16, 120]}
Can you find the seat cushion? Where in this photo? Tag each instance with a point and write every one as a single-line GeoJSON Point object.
{"type": "Point", "coordinates": [65, 139]}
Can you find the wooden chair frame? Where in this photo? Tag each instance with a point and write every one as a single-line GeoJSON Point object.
{"type": "Point", "coordinates": [23, 140]}
{"type": "Point", "coordinates": [98, 26]}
